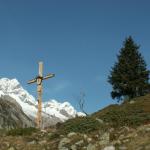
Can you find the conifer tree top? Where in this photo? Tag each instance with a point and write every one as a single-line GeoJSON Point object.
{"type": "Point", "coordinates": [129, 76]}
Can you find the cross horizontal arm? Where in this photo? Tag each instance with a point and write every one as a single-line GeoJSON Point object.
{"type": "Point", "coordinates": [32, 81]}
{"type": "Point", "coordinates": [48, 76]}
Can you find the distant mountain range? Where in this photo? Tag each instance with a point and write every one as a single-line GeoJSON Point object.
{"type": "Point", "coordinates": [53, 112]}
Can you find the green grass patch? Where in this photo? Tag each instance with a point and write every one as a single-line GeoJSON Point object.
{"type": "Point", "coordinates": [127, 114]}
{"type": "Point", "coordinates": [80, 125]}
{"type": "Point", "coordinates": [22, 131]}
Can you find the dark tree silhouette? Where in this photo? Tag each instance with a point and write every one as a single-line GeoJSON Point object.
{"type": "Point", "coordinates": [129, 76]}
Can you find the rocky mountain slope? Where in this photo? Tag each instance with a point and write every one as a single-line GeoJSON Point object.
{"type": "Point", "coordinates": [11, 114]}
{"type": "Point", "coordinates": [52, 112]}
{"type": "Point", "coordinates": [116, 127]}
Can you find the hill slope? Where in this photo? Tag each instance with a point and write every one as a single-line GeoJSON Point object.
{"type": "Point", "coordinates": [116, 127]}
{"type": "Point", "coordinates": [126, 125]}
{"type": "Point", "coordinates": [132, 114]}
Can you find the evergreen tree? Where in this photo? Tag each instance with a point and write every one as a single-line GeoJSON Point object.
{"type": "Point", "coordinates": [129, 77]}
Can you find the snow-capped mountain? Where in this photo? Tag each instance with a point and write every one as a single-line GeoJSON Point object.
{"type": "Point", "coordinates": [52, 110]}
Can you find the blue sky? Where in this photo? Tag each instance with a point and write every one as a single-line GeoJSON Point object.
{"type": "Point", "coordinates": [76, 39]}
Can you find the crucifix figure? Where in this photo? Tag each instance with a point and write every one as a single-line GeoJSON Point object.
{"type": "Point", "coordinates": [39, 80]}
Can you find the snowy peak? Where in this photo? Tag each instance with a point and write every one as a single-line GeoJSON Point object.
{"type": "Point", "coordinates": [8, 85]}
{"type": "Point", "coordinates": [64, 108]}
{"type": "Point", "coordinates": [13, 87]}
{"type": "Point", "coordinates": [51, 109]}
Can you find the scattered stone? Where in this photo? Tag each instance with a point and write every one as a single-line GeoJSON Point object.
{"type": "Point", "coordinates": [126, 141]}
{"type": "Point", "coordinates": [73, 147]}
{"type": "Point", "coordinates": [124, 129]}
{"type": "Point", "coordinates": [61, 136]}
{"type": "Point", "coordinates": [64, 148]}
{"type": "Point", "coordinates": [130, 135]}
{"type": "Point", "coordinates": [118, 142]}
{"type": "Point", "coordinates": [48, 147]}
{"type": "Point", "coordinates": [44, 131]}
{"type": "Point", "coordinates": [147, 129]}
{"type": "Point", "coordinates": [109, 148]}
{"type": "Point", "coordinates": [89, 139]}
{"type": "Point", "coordinates": [147, 147]}
{"type": "Point", "coordinates": [85, 148]}
{"type": "Point", "coordinates": [71, 134]}
{"type": "Point", "coordinates": [122, 148]}
{"type": "Point", "coordinates": [11, 148]}
{"type": "Point", "coordinates": [104, 139]}
{"type": "Point", "coordinates": [7, 144]}
{"type": "Point", "coordinates": [140, 148]}
{"type": "Point", "coordinates": [62, 143]}
{"type": "Point", "coordinates": [91, 147]}
{"type": "Point", "coordinates": [121, 137]}
{"type": "Point", "coordinates": [96, 136]}
{"type": "Point", "coordinates": [32, 142]}
{"type": "Point", "coordinates": [132, 102]}
{"type": "Point", "coordinates": [79, 143]}
{"type": "Point", "coordinates": [111, 129]}
{"type": "Point", "coordinates": [42, 142]}
{"type": "Point", "coordinates": [85, 136]}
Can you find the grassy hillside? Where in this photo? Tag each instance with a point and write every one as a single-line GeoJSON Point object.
{"type": "Point", "coordinates": [132, 114]}
{"type": "Point", "coordinates": [125, 126]}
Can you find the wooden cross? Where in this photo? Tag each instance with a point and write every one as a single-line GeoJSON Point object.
{"type": "Point", "coordinates": [39, 80]}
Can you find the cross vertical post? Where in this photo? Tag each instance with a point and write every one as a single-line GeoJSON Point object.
{"type": "Point", "coordinates": [39, 96]}
{"type": "Point", "coordinates": [39, 80]}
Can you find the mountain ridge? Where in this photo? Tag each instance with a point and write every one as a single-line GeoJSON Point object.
{"type": "Point", "coordinates": [53, 111]}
